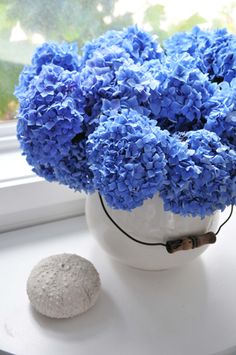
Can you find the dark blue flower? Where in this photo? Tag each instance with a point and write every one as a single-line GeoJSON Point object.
{"type": "Point", "coordinates": [51, 126]}
{"type": "Point", "coordinates": [73, 170]}
{"type": "Point", "coordinates": [138, 44]}
{"type": "Point", "coordinates": [126, 157]}
{"type": "Point", "coordinates": [201, 174]}
{"type": "Point", "coordinates": [111, 80]}
{"type": "Point", "coordinates": [220, 57]}
{"type": "Point", "coordinates": [214, 51]}
{"type": "Point", "coordinates": [98, 81]}
{"type": "Point", "coordinates": [221, 113]}
{"type": "Point", "coordinates": [194, 42]}
{"type": "Point", "coordinates": [178, 101]}
{"type": "Point", "coordinates": [134, 86]}
{"type": "Point", "coordinates": [130, 89]}
{"type": "Point", "coordinates": [64, 55]}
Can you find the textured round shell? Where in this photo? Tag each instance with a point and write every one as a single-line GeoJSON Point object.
{"type": "Point", "coordinates": [63, 286]}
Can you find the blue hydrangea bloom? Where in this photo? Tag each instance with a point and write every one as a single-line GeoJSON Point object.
{"type": "Point", "coordinates": [111, 80]}
{"type": "Point", "coordinates": [214, 51]}
{"type": "Point", "coordinates": [99, 83]}
{"type": "Point", "coordinates": [130, 121]}
{"type": "Point", "coordinates": [64, 55]}
{"type": "Point", "coordinates": [178, 102]}
{"type": "Point", "coordinates": [220, 57]}
{"type": "Point", "coordinates": [73, 170]}
{"type": "Point", "coordinates": [138, 44]}
{"type": "Point", "coordinates": [126, 157]}
{"type": "Point", "coordinates": [131, 89]}
{"type": "Point", "coordinates": [194, 42]}
{"type": "Point", "coordinates": [201, 174]}
{"type": "Point", "coordinates": [134, 86]}
{"type": "Point", "coordinates": [51, 126]}
{"type": "Point", "coordinates": [221, 113]}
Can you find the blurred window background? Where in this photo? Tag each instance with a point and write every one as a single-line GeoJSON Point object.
{"type": "Point", "coordinates": [25, 24]}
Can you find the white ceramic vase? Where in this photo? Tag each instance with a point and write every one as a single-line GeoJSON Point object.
{"type": "Point", "coordinates": [149, 223]}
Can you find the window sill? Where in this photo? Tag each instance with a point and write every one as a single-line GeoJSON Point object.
{"type": "Point", "coordinates": [189, 310]}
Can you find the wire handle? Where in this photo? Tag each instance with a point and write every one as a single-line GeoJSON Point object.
{"type": "Point", "coordinates": [192, 242]}
{"type": "Point", "coordinates": [172, 246]}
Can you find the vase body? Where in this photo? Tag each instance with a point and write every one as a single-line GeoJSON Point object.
{"type": "Point", "coordinates": [149, 223]}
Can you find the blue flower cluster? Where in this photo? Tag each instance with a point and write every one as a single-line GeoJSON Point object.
{"type": "Point", "coordinates": [201, 174]}
{"type": "Point", "coordinates": [221, 113]}
{"type": "Point", "coordinates": [179, 101]}
{"type": "Point", "coordinates": [214, 51]}
{"type": "Point", "coordinates": [131, 120]}
{"type": "Point", "coordinates": [98, 82]}
{"type": "Point", "coordinates": [131, 167]}
{"type": "Point", "coordinates": [64, 55]}
{"type": "Point", "coordinates": [50, 119]}
{"type": "Point", "coordinates": [139, 45]}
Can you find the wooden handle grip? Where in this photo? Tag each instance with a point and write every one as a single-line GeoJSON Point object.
{"type": "Point", "coordinates": [192, 242]}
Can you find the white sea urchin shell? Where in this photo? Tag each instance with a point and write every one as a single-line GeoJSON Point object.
{"type": "Point", "coordinates": [63, 286]}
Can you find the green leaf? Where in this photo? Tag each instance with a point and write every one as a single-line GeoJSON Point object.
{"type": "Point", "coordinates": [188, 24]}
{"type": "Point", "coordinates": [9, 73]}
{"type": "Point", "coordinates": [154, 15]}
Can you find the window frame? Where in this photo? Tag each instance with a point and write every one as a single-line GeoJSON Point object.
{"type": "Point", "coordinates": [8, 141]}
{"type": "Point", "coordinates": [27, 199]}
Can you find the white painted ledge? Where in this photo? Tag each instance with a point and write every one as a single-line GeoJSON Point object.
{"type": "Point", "coordinates": [186, 311]}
